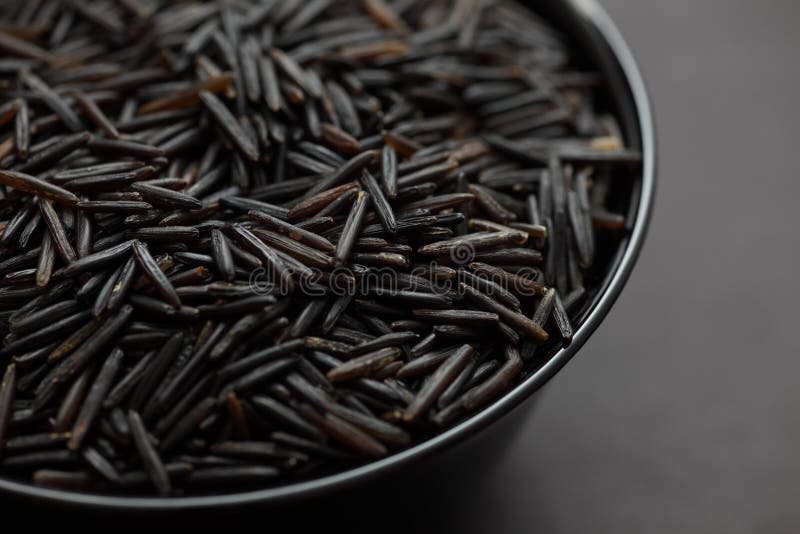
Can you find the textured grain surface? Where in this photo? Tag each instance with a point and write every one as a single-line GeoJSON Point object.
{"type": "Point", "coordinates": [191, 187]}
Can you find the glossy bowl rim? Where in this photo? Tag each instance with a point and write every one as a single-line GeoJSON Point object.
{"type": "Point", "coordinates": [595, 15]}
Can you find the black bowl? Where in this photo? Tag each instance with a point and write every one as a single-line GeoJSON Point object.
{"type": "Point", "coordinates": [595, 37]}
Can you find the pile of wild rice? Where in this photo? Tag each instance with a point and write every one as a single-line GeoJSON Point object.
{"type": "Point", "coordinates": [250, 241]}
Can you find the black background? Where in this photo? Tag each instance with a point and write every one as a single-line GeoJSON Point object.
{"type": "Point", "coordinates": [682, 413]}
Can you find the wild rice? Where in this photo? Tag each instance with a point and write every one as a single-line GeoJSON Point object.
{"type": "Point", "coordinates": [246, 243]}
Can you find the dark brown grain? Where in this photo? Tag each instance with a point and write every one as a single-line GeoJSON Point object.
{"type": "Point", "coordinates": [320, 231]}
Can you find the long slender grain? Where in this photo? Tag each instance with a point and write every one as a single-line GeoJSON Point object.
{"type": "Point", "coordinates": [189, 96]}
{"type": "Point", "coordinates": [22, 131]}
{"type": "Point", "coordinates": [438, 382]}
{"type": "Point", "coordinates": [7, 388]}
{"type": "Point", "coordinates": [229, 125]}
{"type": "Point", "coordinates": [351, 228]}
{"type": "Point", "coordinates": [34, 186]}
{"type": "Point", "coordinates": [54, 101]}
{"type": "Point", "coordinates": [150, 459]}
{"type": "Point", "coordinates": [363, 365]}
{"type": "Point", "coordinates": [222, 255]}
{"type": "Point", "coordinates": [95, 114]}
{"type": "Point", "coordinates": [94, 399]}
{"type": "Point", "coordinates": [73, 400]}
{"type": "Point", "coordinates": [57, 232]}
{"type": "Point", "coordinates": [380, 203]}
{"type": "Point", "coordinates": [294, 232]}
{"type": "Point", "coordinates": [153, 272]}
{"type": "Point", "coordinates": [512, 317]}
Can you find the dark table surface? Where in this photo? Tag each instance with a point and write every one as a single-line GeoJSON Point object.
{"type": "Point", "coordinates": [682, 413]}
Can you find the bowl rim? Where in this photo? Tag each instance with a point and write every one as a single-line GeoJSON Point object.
{"type": "Point", "coordinates": [595, 16]}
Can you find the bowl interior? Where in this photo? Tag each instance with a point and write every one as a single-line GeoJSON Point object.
{"type": "Point", "coordinates": [600, 47]}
